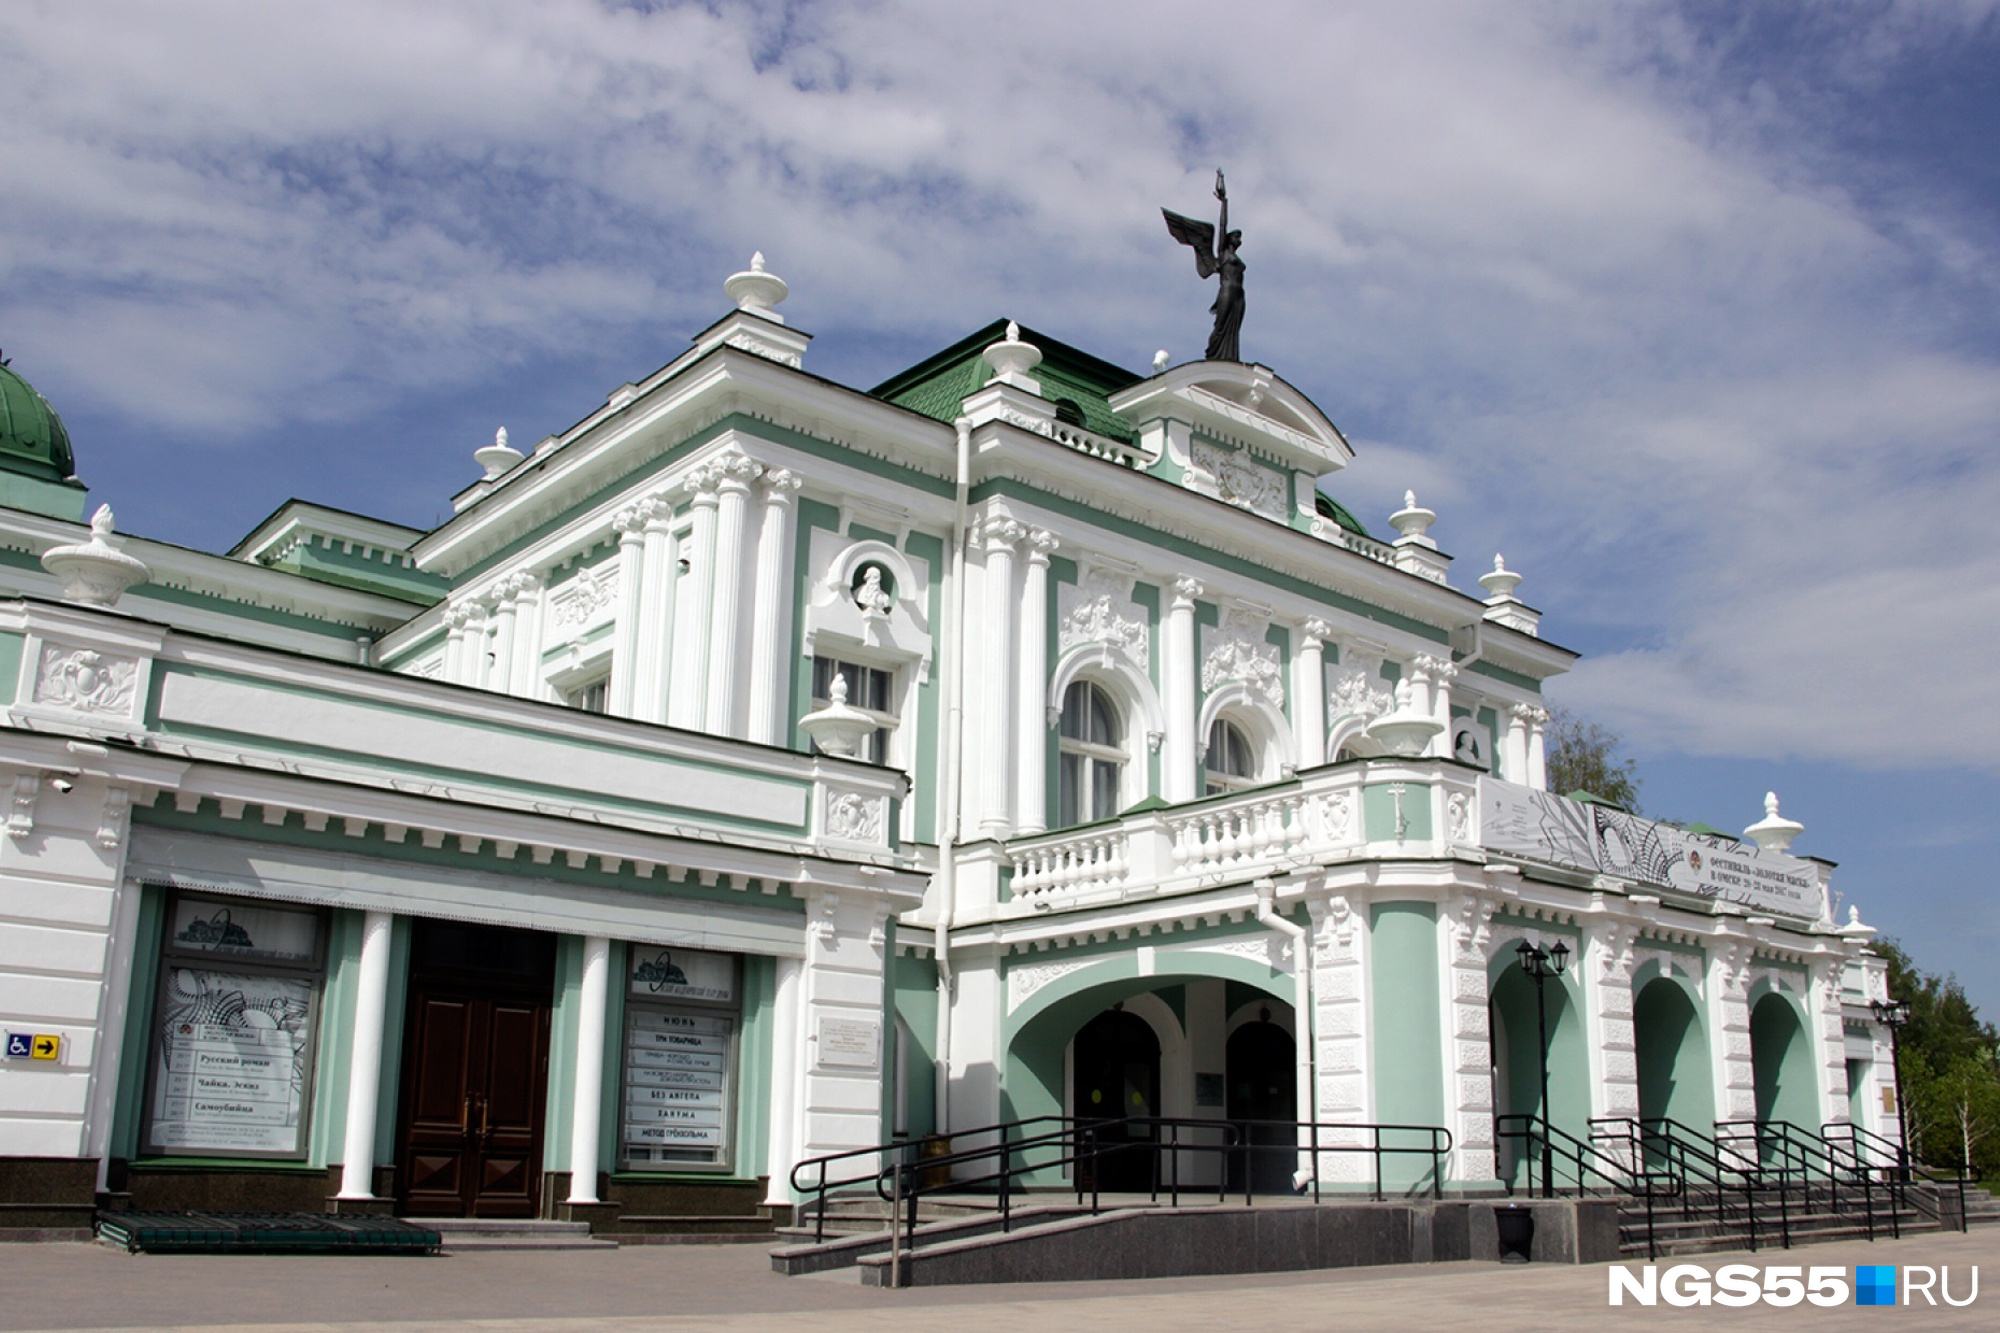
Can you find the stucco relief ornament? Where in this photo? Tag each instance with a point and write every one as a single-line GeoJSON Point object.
{"type": "Point", "coordinates": [870, 595]}
{"type": "Point", "coordinates": [588, 592]}
{"type": "Point", "coordinates": [851, 817]}
{"type": "Point", "coordinates": [1241, 482]}
{"type": "Point", "coordinates": [1100, 612]}
{"type": "Point", "coordinates": [86, 680]}
{"type": "Point", "coordinates": [96, 572]}
{"type": "Point", "coordinates": [1241, 654]}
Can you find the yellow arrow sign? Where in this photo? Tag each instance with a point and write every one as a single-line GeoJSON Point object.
{"type": "Point", "coordinates": [47, 1046]}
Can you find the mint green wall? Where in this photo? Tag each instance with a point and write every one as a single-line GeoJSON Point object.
{"type": "Point", "coordinates": [137, 1048]}
{"type": "Point", "coordinates": [395, 1016]}
{"type": "Point", "coordinates": [1403, 1005]}
{"type": "Point", "coordinates": [913, 997]}
{"type": "Point", "coordinates": [751, 1155]}
{"type": "Point", "coordinates": [11, 646]}
{"type": "Point", "coordinates": [1781, 1057]}
{"type": "Point", "coordinates": [813, 515]}
{"type": "Point", "coordinates": [1517, 1042]}
{"type": "Point", "coordinates": [561, 1090]}
{"type": "Point", "coordinates": [1147, 596]}
{"type": "Point", "coordinates": [335, 1049]}
{"type": "Point", "coordinates": [930, 692]}
{"type": "Point", "coordinates": [1378, 812]}
{"type": "Point", "coordinates": [1674, 1077]}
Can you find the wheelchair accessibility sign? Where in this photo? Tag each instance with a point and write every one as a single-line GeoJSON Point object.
{"type": "Point", "coordinates": [33, 1045]}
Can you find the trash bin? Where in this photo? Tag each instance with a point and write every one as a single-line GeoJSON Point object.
{"type": "Point", "coordinates": [936, 1177]}
{"type": "Point", "coordinates": [1516, 1224]}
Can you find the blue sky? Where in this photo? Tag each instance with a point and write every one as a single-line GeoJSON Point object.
{"type": "Point", "coordinates": [1687, 309]}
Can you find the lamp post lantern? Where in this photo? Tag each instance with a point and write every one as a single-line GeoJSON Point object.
{"type": "Point", "coordinates": [1541, 964]}
{"type": "Point", "coordinates": [1892, 1014]}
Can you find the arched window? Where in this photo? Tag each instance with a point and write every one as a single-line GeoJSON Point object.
{"type": "Point", "coordinates": [1230, 764]}
{"type": "Point", "coordinates": [1092, 755]}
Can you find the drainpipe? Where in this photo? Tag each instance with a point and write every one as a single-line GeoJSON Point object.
{"type": "Point", "coordinates": [948, 800]}
{"type": "Point", "coordinates": [1302, 1024]}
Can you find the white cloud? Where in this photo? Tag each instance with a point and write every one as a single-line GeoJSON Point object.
{"type": "Point", "coordinates": [1611, 313]}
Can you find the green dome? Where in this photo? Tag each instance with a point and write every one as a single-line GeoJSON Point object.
{"type": "Point", "coordinates": [32, 438]}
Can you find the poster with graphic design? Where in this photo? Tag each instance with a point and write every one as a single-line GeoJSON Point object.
{"type": "Point", "coordinates": [662, 972]}
{"type": "Point", "coordinates": [1542, 826]}
{"type": "Point", "coordinates": [230, 1062]}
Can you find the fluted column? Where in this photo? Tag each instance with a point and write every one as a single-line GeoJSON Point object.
{"type": "Point", "coordinates": [1309, 693]}
{"type": "Point", "coordinates": [1031, 746]}
{"type": "Point", "coordinates": [1430, 693]}
{"type": "Point", "coordinates": [1178, 674]}
{"type": "Point", "coordinates": [628, 524]}
{"type": "Point", "coordinates": [654, 651]}
{"type": "Point", "coordinates": [527, 675]}
{"type": "Point", "coordinates": [499, 674]}
{"type": "Point", "coordinates": [771, 621]}
{"type": "Point", "coordinates": [997, 733]}
{"type": "Point", "coordinates": [782, 1148]}
{"type": "Point", "coordinates": [1538, 768]}
{"type": "Point", "coordinates": [687, 699]}
{"type": "Point", "coordinates": [724, 667]}
{"type": "Point", "coordinates": [1514, 755]}
{"type": "Point", "coordinates": [588, 1093]}
{"type": "Point", "coordinates": [454, 644]}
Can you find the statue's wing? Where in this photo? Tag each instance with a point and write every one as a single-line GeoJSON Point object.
{"type": "Point", "coordinates": [1195, 233]}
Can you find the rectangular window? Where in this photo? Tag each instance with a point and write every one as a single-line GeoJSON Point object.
{"type": "Point", "coordinates": [592, 698]}
{"type": "Point", "coordinates": [682, 1016]}
{"type": "Point", "coordinates": [870, 689]}
{"type": "Point", "coordinates": [233, 1024]}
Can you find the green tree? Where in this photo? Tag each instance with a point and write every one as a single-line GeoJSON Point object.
{"type": "Point", "coordinates": [1951, 1072]}
{"type": "Point", "coordinates": [1585, 756]}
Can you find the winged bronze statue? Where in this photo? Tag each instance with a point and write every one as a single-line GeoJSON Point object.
{"type": "Point", "coordinates": [1212, 257]}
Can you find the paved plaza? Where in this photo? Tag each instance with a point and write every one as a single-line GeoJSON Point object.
{"type": "Point", "coordinates": [731, 1288]}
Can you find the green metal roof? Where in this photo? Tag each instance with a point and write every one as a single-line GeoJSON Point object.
{"type": "Point", "coordinates": [32, 438]}
{"type": "Point", "coordinates": [1076, 382]}
{"type": "Point", "coordinates": [1328, 507]}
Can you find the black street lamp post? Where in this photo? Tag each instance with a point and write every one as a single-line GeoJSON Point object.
{"type": "Point", "coordinates": [1541, 964]}
{"type": "Point", "coordinates": [1892, 1014]}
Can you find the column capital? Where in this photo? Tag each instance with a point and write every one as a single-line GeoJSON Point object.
{"type": "Point", "coordinates": [780, 485]}
{"type": "Point", "coordinates": [1313, 633]}
{"type": "Point", "coordinates": [1533, 715]}
{"type": "Point", "coordinates": [1002, 534]}
{"type": "Point", "coordinates": [1429, 667]}
{"type": "Point", "coordinates": [1185, 592]}
{"type": "Point", "coordinates": [1041, 543]}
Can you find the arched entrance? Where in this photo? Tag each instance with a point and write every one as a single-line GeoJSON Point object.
{"type": "Point", "coordinates": [1781, 1059]}
{"type": "Point", "coordinates": [1674, 1079]}
{"type": "Point", "coordinates": [1263, 1087]}
{"type": "Point", "coordinates": [1115, 1070]}
{"type": "Point", "coordinates": [1516, 1037]}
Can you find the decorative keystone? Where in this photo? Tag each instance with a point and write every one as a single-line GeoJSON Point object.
{"type": "Point", "coordinates": [498, 457]}
{"type": "Point", "coordinates": [1500, 583]}
{"type": "Point", "coordinates": [1413, 521]}
{"type": "Point", "coordinates": [1012, 359]}
{"type": "Point", "coordinates": [838, 729]}
{"type": "Point", "coordinates": [1773, 832]}
{"type": "Point", "coordinates": [96, 572]}
{"type": "Point", "coordinates": [757, 292]}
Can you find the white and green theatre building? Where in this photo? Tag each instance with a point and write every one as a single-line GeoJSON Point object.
{"type": "Point", "coordinates": [764, 768]}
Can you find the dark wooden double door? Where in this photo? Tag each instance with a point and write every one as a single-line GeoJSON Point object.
{"type": "Point", "coordinates": [475, 1071]}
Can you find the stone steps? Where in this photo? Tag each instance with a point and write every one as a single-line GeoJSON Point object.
{"type": "Point", "coordinates": [464, 1234]}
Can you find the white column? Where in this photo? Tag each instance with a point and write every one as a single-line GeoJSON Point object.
{"type": "Point", "coordinates": [724, 666]}
{"type": "Point", "coordinates": [688, 697]}
{"type": "Point", "coordinates": [1538, 768]}
{"type": "Point", "coordinates": [1031, 804]}
{"type": "Point", "coordinates": [1614, 1047]}
{"type": "Point", "coordinates": [1340, 1029]}
{"type": "Point", "coordinates": [1468, 1047]}
{"type": "Point", "coordinates": [500, 673]}
{"type": "Point", "coordinates": [1830, 1031]}
{"type": "Point", "coordinates": [473, 667]}
{"type": "Point", "coordinates": [1309, 692]}
{"type": "Point", "coordinates": [454, 643]}
{"type": "Point", "coordinates": [1728, 1006]}
{"type": "Point", "coordinates": [997, 735]}
{"type": "Point", "coordinates": [771, 621]}
{"type": "Point", "coordinates": [787, 1057]}
{"type": "Point", "coordinates": [364, 1064]}
{"type": "Point", "coordinates": [654, 651]}
{"type": "Point", "coordinates": [1178, 673]}
{"type": "Point", "coordinates": [527, 677]}
{"type": "Point", "coordinates": [625, 631]}
{"type": "Point", "coordinates": [1514, 757]}
{"type": "Point", "coordinates": [1430, 692]}
{"type": "Point", "coordinates": [589, 1095]}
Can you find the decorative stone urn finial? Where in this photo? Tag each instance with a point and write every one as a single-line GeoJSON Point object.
{"type": "Point", "coordinates": [1501, 582]}
{"type": "Point", "coordinates": [1773, 832]}
{"type": "Point", "coordinates": [1413, 521]}
{"type": "Point", "coordinates": [1405, 732]}
{"type": "Point", "coordinates": [756, 291]}
{"type": "Point", "coordinates": [96, 572]}
{"type": "Point", "coordinates": [498, 456]}
{"type": "Point", "coordinates": [1012, 360]}
{"type": "Point", "coordinates": [1160, 361]}
{"type": "Point", "coordinates": [838, 729]}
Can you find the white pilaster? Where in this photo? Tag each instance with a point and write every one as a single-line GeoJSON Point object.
{"type": "Point", "coordinates": [658, 583]}
{"type": "Point", "coordinates": [1468, 1074]}
{"type": "Point", "coordinates": [454, 644]}
{"type": "Point", "coordinates": [1431, 693]}
{"type": "Point", "coordinates": [1340, 1028]}
{"type": "Point", "coordinates": [771, 613]}
{"type": "Point", "coordinates": [500, 669]}
{"type": "Point", "coordinates": [632, 589]}
{"type": "Point", "coordinates": [725, 667]}
{"type": "Point", "coordinates": [782, 1151]}
{"type": "Point", "coordinates": [1538, 768]}
{"type": "Point", "coordinates": [1177, 678]}
{"type": "Point", "coordinates": [687, 703]}
{"type": "Point", "coordinates": [1830, 1035]}
{"type": "Point", "coordinates": [1031, 803]}
{"type": "Point", "coordinates": [996, 713]}
{"type": "Point", "coordinates": [840, 1102]}
{"type": "Point", "coordinates": [1614, 1053]}
{"type": "Point", "coordinates": [1309, 692]}
{"type": "Point", "coordinates": [1514, 752]}
{"type": "Point", "coordinates": [1729, 1028]}
{"type": "Point", "coordinates": [588, 1099]}
{"type": "Point", "coordinates": [527, 673]}
{"type": "Point", "coordinates": [364, 1063]}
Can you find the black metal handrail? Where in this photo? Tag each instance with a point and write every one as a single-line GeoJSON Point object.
{"type": "Point", "coordinates": [1700, 1159]}
{"type": "Point", "coordinates": [1901, 1171]}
